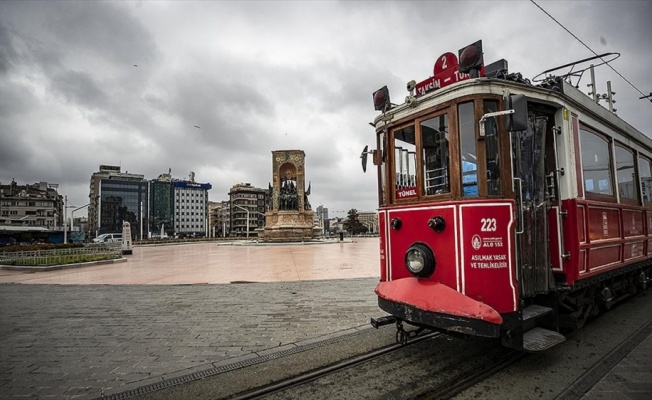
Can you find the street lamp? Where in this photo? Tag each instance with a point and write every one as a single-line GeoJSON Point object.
{"type": "Point", "coordinates": [65, 219]}
{"type": "Point", "coordinates": [72, 216]}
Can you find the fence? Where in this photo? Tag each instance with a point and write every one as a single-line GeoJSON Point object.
{"type": "Point", "coordinates": [62, 256]}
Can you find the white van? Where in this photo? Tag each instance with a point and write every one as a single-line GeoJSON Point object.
{"type": "Point", "coordinates": [108, 238]}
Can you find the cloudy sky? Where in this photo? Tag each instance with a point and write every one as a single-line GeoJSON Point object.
{"type": "Point", "coordinates": [125, 83]}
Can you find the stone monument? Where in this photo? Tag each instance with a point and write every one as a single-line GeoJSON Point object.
{"type": "Point", "coordinates": [290, 218]}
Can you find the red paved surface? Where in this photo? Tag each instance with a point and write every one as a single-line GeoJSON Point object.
{"type": "Point", "coordinates": [210, 263]}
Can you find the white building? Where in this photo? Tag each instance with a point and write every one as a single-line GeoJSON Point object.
{"type": "Point", "coordinates": [190, 207]}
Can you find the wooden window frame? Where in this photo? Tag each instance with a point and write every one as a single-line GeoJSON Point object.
{"type": "Point", "coordinates": [627, 200]}
{"type": "Point", "coordinates": [646, 204]}
{"type": "Point", "coordinates": [453, 166]}
{"type": "Point", "coordinates": [589, 195]}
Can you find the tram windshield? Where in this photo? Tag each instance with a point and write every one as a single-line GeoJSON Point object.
{"type": "Point", "coordinates": [445, 158]}
{"type": "Point", "coordinates": [436, 160]}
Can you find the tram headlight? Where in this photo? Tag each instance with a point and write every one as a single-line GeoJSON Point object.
{"type": "Point", "coordinates": [420, 260]}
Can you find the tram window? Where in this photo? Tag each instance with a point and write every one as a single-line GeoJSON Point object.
{"type": "Point", "coordinates": [434, 138]}
{"type": "Point", "coordinates": [596, 164]}
{"type": "Point", "coordinates": [405, 163]}
{"type": "Point", "coordinates": [491, 150]}
{"type": "Point", "coordinates": [645, 175]}
{"type": "Point", "coordinates": [625, 173]}
{"type": "Point", "coordinates": [468, 150]}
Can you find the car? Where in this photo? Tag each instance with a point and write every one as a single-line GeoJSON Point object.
{"type": "Point", "coordinates": [108, 238]}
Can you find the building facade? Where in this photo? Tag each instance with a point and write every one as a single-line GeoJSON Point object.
{"type": "Point", "coordinates": [190, 207]}
{"type": "Point", "coordinates": [224, 219]}
{"type": "Point", "coordinates": [370, 220]}
{"type": "Point", "coordinates": [178, 207]}
{"type": "Point", "coordinates": [218, 220]}
{"type": "Point", "coordinates": [161, 205]}
{"type": "Point", "coordinates": [247, 206]}
{"type": "Point", "coordinates": [117, 196]}
{"type": "Point", "coordinates": [321, 219]}
{"type": "Point", "coordinates": [37, 205]}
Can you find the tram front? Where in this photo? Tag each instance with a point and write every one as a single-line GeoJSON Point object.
{"type": "Point", "coordinates": [449, 206]}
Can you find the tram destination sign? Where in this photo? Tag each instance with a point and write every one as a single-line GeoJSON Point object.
{"type": "Point", "coordinates": [446, 72]}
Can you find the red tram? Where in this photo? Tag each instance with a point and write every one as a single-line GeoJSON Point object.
{"type": "Point", "coordinates": [507, 209]}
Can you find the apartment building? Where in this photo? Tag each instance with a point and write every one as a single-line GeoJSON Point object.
{"type": "Point", "coordinates": [36, 205]}
{"type": "Point", "coordinates": [248, 205]}
{"type": "Point", "coordinates": [117, 196]}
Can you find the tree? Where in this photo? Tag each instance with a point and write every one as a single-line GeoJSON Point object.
{"type": "Point", "coordinates": [352, 224]}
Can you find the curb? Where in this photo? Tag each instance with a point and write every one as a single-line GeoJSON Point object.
{"type": "Point", "coordinates": [23, 268]}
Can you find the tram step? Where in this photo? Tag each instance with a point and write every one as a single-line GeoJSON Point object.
{"type": "Point", "coordinates": [540, 339]}
{"type": "Point", "coordinates": [535, 311]}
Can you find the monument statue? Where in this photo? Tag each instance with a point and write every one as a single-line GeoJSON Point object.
{"type": "Point", "coordinates": [290, 218]}
{"type": "Point", "coordinates": [288, 196]}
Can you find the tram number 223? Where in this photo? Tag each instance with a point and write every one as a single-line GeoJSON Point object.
{"type": "Point", "coordinates": [488, 225]}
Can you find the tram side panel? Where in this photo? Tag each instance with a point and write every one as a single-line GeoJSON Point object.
{"type": "Point", "coordinates": [648, 231]}
{"type": "Point", "coordinates": [602, 237]}
{"type": "Point", "coordinates": [382, 229]}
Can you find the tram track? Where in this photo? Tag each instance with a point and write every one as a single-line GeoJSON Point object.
{"type": "Point", "coordinates": [298, 380]}
{"type": "Point", "coordinates": [443, 367]}
{"type": "Point", "coordinates": [429, 365]}
{"type": "Point", "coordinates": [451, 387]}
{"type": "Point", "coordinates": [457, 381]}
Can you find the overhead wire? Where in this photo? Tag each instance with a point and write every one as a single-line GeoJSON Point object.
{"type": "Point", "coordinates": [587, 46]}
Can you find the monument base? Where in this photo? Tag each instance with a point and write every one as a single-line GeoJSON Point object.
{"type": "Point", "coordinates": [288, 226]}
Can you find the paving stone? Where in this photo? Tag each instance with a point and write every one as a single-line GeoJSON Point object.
{"type": "Point", "coordinates": [111, 338]}
{"type": "Point", "coordinates": [98, 337]}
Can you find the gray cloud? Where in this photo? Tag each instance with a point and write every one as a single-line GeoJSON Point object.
{"type": "Point", "coordinates": [79, 88]}
{"type": "Point", "coordinates": [7, 52]}
{"type": "Point", "coordinates": [257, 77]}
{"type": "Point", "coordinates": [109, 32]}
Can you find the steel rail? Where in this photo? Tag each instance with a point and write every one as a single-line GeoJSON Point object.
{"type": "Point", "coordinates": [309, 376]}
{"type": "Point", "coordinates": [463, 381]}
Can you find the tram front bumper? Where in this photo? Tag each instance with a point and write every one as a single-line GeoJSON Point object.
{"type": "Point", "coordinates": [432, 304]}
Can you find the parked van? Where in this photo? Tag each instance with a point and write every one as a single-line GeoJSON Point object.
{"type": "Point", "coordinates": [108, 238]}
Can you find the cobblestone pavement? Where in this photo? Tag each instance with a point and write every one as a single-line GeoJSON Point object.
{"type": "Point", "coordinates": [630, 379]}
{"type": "Point", "coordinates": [108, 329]}
{"type": "Point", "coordinates": [79, 341]}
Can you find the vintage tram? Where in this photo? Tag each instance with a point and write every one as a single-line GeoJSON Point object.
{"type": "Point", "coordinates": [507, 209]}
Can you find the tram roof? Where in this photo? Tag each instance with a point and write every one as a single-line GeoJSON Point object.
{"type": "Point", "coordinates": [562, 95]}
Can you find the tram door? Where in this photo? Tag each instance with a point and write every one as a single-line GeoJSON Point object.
{"type": "Point", "coordinates": [533, 200]}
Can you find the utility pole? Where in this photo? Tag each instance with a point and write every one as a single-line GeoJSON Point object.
{"type": "Point", "coordinates": [65, 219]}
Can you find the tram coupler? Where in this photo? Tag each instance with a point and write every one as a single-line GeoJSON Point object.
{"type": "Point", "coordinates": [382, 321]}
{"type": "Point", "coordinates": [402, 335]}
